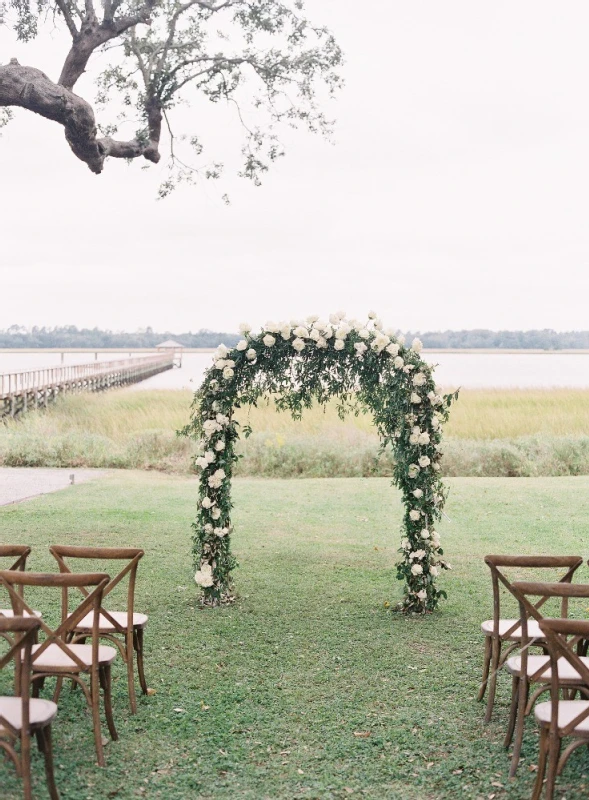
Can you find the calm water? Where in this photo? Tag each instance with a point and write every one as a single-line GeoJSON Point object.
{"type": "Point", "coordinates": [497, 370]}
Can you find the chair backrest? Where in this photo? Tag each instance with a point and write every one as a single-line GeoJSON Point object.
{"type": "Point", "coordinates": [20, 552]}
{"type": "Point", "coordinates": [15, 581]}
{"type": "Point", "coordinates": [528, 610]}
{"type": "Point", "coordinates": [20, 633]}
{"type": "Point", "coordinates": [562, 637]}
{"type": "Point", "coordinates": [131, 555]}
{"type": "Point", "coordinates": [499, 563]}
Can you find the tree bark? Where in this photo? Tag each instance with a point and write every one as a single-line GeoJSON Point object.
{"type": "Point", "coordinates": [28, 87]}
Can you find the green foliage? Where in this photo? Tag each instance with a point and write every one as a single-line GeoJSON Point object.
{"type": "Point", "coordinates": [299, 363]}
{"type": "Point", "coordinates": [71, 336]}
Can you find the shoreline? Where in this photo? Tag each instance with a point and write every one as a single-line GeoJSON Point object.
{"type": "Point", "coordinates": [191, 350]}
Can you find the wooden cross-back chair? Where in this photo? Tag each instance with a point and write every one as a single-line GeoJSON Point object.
{"type": "Point", "coordinates": [559, 718]}
{"type": "Point", "coordinates": [56, 656]}
{"type": "Point", "coordinates": [529, 670]}
{"type": "Point", "coordinates": [123, 628]}
{"type": "Point", "coordinates": [499, 631]}
{"type": "Point", "coordinates": [21, 716]}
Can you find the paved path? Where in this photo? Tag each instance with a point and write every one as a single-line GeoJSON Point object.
{"type": "Point", "coordinates": [22, 483]}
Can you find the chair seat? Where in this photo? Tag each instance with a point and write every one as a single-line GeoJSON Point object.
{"type": "Point", "coordinates": [567, 711]}
{"type": "Point", "coordinates": [534, 631]}
{"type": "Point", "coordinates": [8, 612]}
{"type": "Point", "coordinates": [41, 712]}
{"type": "Point", "coordinates": [566, 672]}
{"type": "Point", "coordinates": [55, 659]}
{"type": "Point", "coordinates": [85, 624]}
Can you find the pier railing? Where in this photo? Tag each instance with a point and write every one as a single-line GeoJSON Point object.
{"type": "Point", "coordinates": [20, 391]}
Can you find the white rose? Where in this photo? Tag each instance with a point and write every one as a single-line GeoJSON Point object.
{"type": "Point", "coordinates": [221, 351]}
{"type": "Point", "coordinates": [342, 332]}
{"type": "Point", "coordinates": [438, 400]}
{"type": "Point", "coordinates": [271, 327]}
{"type": "Point", "coordinates": [413, 471]}
{"type": "Point", "coordinates": [216, 513]}
{"type": "Point", "coordinates": [315, 335]}
{"type": "Point", "coordinates": [269, 340]}
{"type": "Point", "coordinates": [241, 345]}
{"type": "Point", "coordinates": [285, 332]}
{"type": "Point", "coordinates": [434, 571]}
{"type": "Point", "coordinates": [414, 399]}
{"type": "Point", "coordinates": [417, 569]}
{"type": "Point", "coordinates": [220, 445]}
{"type": "Point", "coordinates": [437, 467]}
{"type": "Point", "coordinates": [207, 502]}
{"type": "Point", "coordinates": [328, 332]}
{"type": "Point", "coordinates": [363, 333]}
{"type": "Point", "coordinates": [435, 539]}
{"type": "Point", "coordinates": [414, 438]}
{"type": "Point", "coordinates": [408, 367]}
{"type": "Point", "coordinates": [424, 461]}
{"type": "Point", "coordinates": [210, 426]}
{"type": "Point", "coordinates": [244, 327]}
{"type": "Point", "coordinates": [340, 314]}
{"type": "Point", "coordinates": [416, 346]}
{"type": "Point", "coordinates": [228, 373]}
{"type": "Point", "coordinates": [298, 345]}
{"type": "Point", "coordinates": [221, 532]}
{"type": "Point", "coordinates": [431, 396]}
{"type": "Point", "coordinates": [435, 422]}
{"type": "Point", "coordinates": [222, 419]}
{"type": "Point", "coordinates": [414, 514]}
{"type": "Point", "coordinates": [398, 362]}
{"type": "Point", "coordinates": [321, 325]}
{"type": "Point", "coordinates": [301, 332]}
{"type": "Point", "coordinates": [216, 479]}
{"type": "Point", "coordinates": [208, 528]}
{"type": "Point", "coordinates": [422, 594]}
{"type": "Point", "coordinates": [380, 342]}
{"type": "Point", "coordinates": [322, 343]}
{"type": "Point", "coordinates": [360, 348]}
{"type": "Point", "coordinates": [251, 354]}
{"type": "Point", "coordinates": [377, 324]}
{"type": "Point", "coordinates": [220, 364]}
{"type": "Point", "coordinates": [201, 462]}
{"type": "Point", "coordinates": [424, 438]}
{"type": "Point", "coordinates": [405, 544]}
{"type": "Point", "coordinates": [209, 456]}
{"type": "Point", "coordinates": [372, 315]}
{"type": "Point", "coordinates": [401, 339]}
{"type": "Point", "coordinates": [424, 534]}
{"type": "Point", "coordinates": [312, 318]}
{"type": "Point", "coordinates": [339, 344]}
{"type": "Point", "coordinates": [417, 493]}
{"type": "Point", "coordinates": [204, 576]}
{"type": "Point", "coordinates": [334, 319]}
{"type": "Point", "coordinates": [392, 349]}
{"type": "Point", "coordinates": [419, 379]}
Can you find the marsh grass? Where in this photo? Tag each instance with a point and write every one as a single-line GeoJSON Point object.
{"type": "Point", "coordinates": [265, 699]}
{"type": "Point", "coordinates": [491, 432]}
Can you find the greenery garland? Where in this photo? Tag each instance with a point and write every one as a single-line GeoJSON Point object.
{"type": "Point", "coordinates": [365, 368]}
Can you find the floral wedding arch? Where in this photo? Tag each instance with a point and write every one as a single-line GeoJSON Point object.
{"type": "Point", "coordinates": [296, 363]}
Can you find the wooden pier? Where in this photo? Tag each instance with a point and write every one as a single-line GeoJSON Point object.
{"type": "Point", "coordinates": [23, 391]}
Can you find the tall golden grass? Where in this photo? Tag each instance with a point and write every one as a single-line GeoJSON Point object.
{"type": "Point", "coordinates": [503, 432]}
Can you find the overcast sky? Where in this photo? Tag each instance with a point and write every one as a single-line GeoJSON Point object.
{"type": "Point", "coordinates": [455, 196]}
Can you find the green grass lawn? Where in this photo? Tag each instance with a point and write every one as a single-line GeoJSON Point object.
{"type": "Point", "coordinates": [264, 699]}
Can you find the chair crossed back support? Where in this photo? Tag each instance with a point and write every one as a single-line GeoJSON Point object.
{"type": "Point", "coordinates": [123, 629]}
{"type": "Point", "coordinates": [500, 630]}
{"type": "Point", "coordinates": [9, 552]}
{"type": "Point", "coordinates": [20, 716]}
{"type": "Point", "coordinates": [57, 656]}
{"type": "Point", "coordinates": [559, 718]}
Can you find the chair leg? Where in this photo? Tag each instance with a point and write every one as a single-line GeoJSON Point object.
{"type": "Point", "coordinates": [25, 764]}
{"type": "Point", "coordinates": [95, 700]}
{"type": "Point", "coordinates": [486, 663]}
{"type": "Point", "coordinates": [48, 753]}
{"type": "Point", "coordinates": [139, 650]}
{"type": "Point", "coordinates": [512, 711]}
{"type": "Point", "coordinates": [519, 725]}
{"type": "Point", "coordinates": [492, 683]}
{"type": "Point", "coordinates": [57, 692]}
{"type": "Point", "coordinates": [554, 743]}
{"type": "Point", "coordinates": [536, 794]}
{"type": "Point", "coordinates": [105, 682]}
{"type": "Point", "coordinates": [129, 652]}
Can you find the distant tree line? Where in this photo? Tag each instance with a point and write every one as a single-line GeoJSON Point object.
{"type": "Point", "coordinates": [530, 340]}
{"type": "Point", "coordinates": [69, 336]}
